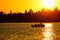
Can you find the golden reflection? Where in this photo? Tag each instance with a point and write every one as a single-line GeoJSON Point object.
{"type": "Point", "coordinates": [48, 25]}
{"type": "Point", "coordinates": [48, 34]}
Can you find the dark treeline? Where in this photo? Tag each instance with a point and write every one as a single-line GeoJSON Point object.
{"type": "Point", "coordinates": [30, 16]}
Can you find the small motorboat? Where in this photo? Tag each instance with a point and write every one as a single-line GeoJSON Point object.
{"type": "Point", "coordinates": [38, 25]}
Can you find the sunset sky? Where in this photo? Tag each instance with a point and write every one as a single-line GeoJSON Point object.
{"type": "Point", "coordinates": [21, 5]}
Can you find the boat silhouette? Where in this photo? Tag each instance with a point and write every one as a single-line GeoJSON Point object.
{"type": "Point", "coordinates": [38, 25]}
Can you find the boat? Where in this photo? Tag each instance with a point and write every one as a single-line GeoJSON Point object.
{"type": "Point", "coordinates": [38, 25]}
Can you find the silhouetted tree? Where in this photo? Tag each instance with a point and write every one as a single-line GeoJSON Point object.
{"type": "Point", "coordinates": [30, 11]}
{"type": "Point", "coordinates": [30, 16]}
{"type": "Point", "coordinates": [26, 12]}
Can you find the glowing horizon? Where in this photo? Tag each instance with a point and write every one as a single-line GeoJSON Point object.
{"type": "Point", "coordinates": [21, 5]}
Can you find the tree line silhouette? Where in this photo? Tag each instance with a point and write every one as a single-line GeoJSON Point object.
{"type": "Point", "coordinates": [30, 16]}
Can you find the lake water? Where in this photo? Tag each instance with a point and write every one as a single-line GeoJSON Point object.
{"type": "Point", "coordinates": [24, 31]}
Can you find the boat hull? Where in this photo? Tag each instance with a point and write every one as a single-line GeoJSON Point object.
{"type": "Point", "coordinates": [38, 25]}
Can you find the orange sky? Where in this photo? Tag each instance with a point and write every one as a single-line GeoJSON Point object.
{"type": "Point", "coordinates": [21, 5]}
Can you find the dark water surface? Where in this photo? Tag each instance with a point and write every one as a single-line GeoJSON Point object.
{"type": "Point", "coordinates": [24, 31]}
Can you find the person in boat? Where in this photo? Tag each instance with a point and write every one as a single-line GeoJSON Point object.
{"type": "Point", "coordinates": [38, 24]}
{"type": "Point", "coordinates": [42, 24]}
{"type": "Point", "coordinates": [35, 25]}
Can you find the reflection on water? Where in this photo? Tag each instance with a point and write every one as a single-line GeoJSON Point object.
{"type": "Point", "coordinates": [48, 25]}
{"type": "Point", "coordinates": [48, 34]}
{"type": "Point", "coordinates": [24, 31]}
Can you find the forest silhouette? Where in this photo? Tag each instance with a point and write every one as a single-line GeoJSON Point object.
{"type": "Point", "coordinates": [30, 16]}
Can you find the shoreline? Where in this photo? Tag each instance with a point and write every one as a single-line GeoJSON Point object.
{"type": "Point", "coordinates": [29, 22]}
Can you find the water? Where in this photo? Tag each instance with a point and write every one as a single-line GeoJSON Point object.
{"type": "Point", "coordinates": [24, 31]}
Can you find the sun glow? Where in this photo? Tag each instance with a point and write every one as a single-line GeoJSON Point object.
{"type": "Point", "coordinates": [49, 4]}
